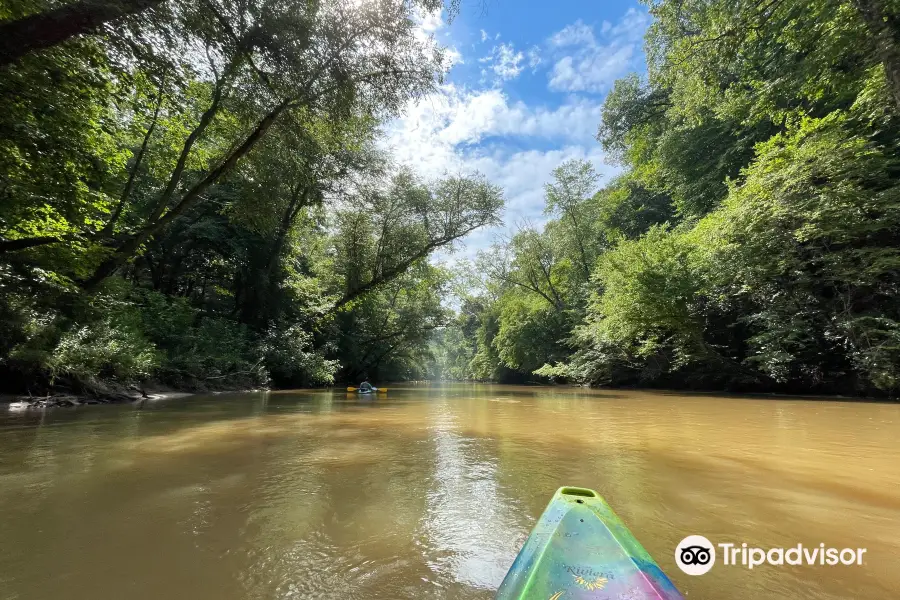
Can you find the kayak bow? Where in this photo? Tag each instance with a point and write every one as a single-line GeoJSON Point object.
{"type": "Point", "coordinates": [581, 550]}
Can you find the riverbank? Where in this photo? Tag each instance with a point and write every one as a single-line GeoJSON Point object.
{"type": "Point", "coordinates": [102, 394]}
{"type": "Point", "coordinates": [20, 403]}
{"type": "Point", "coordinates": [108, 393]}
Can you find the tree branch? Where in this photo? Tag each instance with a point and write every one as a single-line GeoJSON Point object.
{"type": "Point", "coordinates": [131, 246]}
{"type": "Point", "coordinates": [205, 119]}
{"type": "Point", "coordinates": [24, 243]}
{"type": "Point", "coordinates": [399, 269]}
{"type": "Point", "coordinates": [54, 26]}
{"type": "Point", "coordinates": [132, 175]}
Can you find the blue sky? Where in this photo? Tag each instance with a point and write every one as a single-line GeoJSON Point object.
{"type": "Point", "coordinates": [523, 94]}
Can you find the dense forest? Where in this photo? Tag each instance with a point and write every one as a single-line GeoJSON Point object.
{"type": "Point", "coordinates": [752, 238]}
{"type": "Point", "coordinates": [194, 193]}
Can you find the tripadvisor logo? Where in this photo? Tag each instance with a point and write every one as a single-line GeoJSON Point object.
{"type": "Point", "coordinates": [696, 555]}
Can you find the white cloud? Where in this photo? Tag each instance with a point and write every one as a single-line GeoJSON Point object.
{"type": "Point", "coordinates": [455, 117]}
{"type": "Point", "coordinates": [633, 25]}
{"type": "Point", "coordinates": [460, 130]}
{"type": "Point", "coordinates": [522, 176]}
{"type": "Point", "coordinates": [504, 61]}
{"type": "Point", "coordinates": [431, 22]}
{"type": "Point", "coordinates": [534, 58]}
{"type": "Point", "coordinates": [576, 34]}
{"type": "Point", "coordinates": [594, 72]}
{"type": "Point", "coordinates": [586, 64]}
{"type": "Point", "coordinates": [452, 57]}
{"type": "Point", "coordinates": [515, 144]}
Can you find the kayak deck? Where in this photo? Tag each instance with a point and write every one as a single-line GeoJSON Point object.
{"type": "Point", "coordinates": [581, 550]}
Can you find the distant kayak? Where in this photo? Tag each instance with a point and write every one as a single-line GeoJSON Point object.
{"type": "Point", "coordinates": [581, 550]}
{"type": "Point", "coordinates": [371, 390]}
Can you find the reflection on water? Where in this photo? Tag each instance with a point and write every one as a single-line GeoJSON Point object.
{"type": "Point", "coordinates": [469, 531]}
{"type": "Point", "coordinates": [429, 492]}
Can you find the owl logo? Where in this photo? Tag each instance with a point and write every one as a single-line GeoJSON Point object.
{"type": "Point", "coordinates": [695, 555]}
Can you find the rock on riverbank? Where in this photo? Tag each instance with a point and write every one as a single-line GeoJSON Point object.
{"type": "Point", "coordinates": [107, 395]}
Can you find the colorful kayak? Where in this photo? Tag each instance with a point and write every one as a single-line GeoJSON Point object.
{"type": "Point", "coordinates": [581, 550]}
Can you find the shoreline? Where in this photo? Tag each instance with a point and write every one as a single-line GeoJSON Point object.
{"type": "Point", "coordinates": [154, 391]}
{"type": "Point", "coordinates": [20, 403]}
{"type": "Point", "coordinates": [104, 392]}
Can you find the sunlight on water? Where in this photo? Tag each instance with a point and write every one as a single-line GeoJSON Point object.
{"type": "Point", "coordinates": [430, 492]}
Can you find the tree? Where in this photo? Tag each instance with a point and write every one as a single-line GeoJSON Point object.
{"type": "Point", "coordinates": [173, 193]}
{"type": "Point", "coordinates": [528, 335]}
{"type": "Point", "coordinates": [338, 58]}
{"type": "Point", "coordinates": [392, 228]}
{"type": "Point", "coordinates": [528, 261]}
{"type": "Point", "coordinates": [297, 167]}
{"type": "Point", "coordinates": [749, 242]}
{"type": "Point", "coordinates": [51, 26]}
{"type": "Point", "coordinates": [808, 241]}
{"type": "Point", "coordinates": [569, 197]}
{"type": "Point", "coordinates": [386, 334]}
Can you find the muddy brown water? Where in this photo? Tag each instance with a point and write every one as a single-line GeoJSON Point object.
{"type": "Point", "coordinates": [430, 491]}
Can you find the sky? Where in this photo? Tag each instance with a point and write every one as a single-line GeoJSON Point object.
{"type": "Point", "coordinates": [524, 94]}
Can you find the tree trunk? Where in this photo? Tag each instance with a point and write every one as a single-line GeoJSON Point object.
{"type": "Point", "coordinates": [205, 119]}
{"type": "Point", "coordinates": [585, 267]}
{"type": "Point", "coordinates": [299, 197]}
{"type": "Point", "coordinates": [257, 305]}
{"type": "Point", "coordinates": [51, 27]}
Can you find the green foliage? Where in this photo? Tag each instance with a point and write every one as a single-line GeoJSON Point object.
{"type": "Point", "coordinates": [197, 196]}
{"type": "Point", "coordinates": [391, 225]}
{"type": "Point", "coordinates": [291, 359]}
{"type": "Point", "coordinates": [809, 241]}
{"type": "Point", "coordinates": [105, 350]}
{"type": "Point", "coordinates": [751, 242]}
{"type": "Point", "coordinates": [387, 334]}
{"type": "Point", "coordinates": [628, 209]}
{"type": "Point", "coordinates": [112, 346]}
{"type": "Point", "coordinates": [528, 333]}
{"type": "Point", "coordinates": [649, 286]}
{"type": "Point", "coordinates": [59, 157]}
{"type": "Point", "coordinates": [802, 253]}
{"type": "Point", "coordinates": [486, 364]}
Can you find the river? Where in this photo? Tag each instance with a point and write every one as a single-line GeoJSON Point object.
{"type": "Point", "coordinates": [428, 492]}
